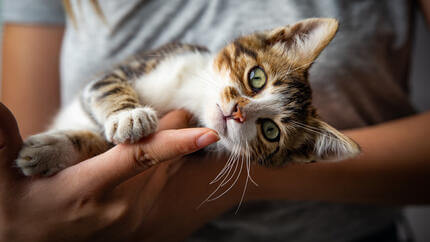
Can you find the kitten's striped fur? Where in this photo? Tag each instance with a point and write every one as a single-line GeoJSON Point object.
{"type": "Point", "coordinates": [123, 106]}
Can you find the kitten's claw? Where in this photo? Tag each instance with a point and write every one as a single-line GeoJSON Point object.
{"type": "Point", "coordinates": [43, 154]}
{"type": "Point", "coordinates": [129, 126]}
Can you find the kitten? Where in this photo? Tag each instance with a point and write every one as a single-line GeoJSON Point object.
{"type": "Point", "coordinates": [254, 93]}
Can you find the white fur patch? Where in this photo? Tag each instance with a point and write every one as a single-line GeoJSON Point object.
{"type": "Point", "coordinates": [129, 126]}
{"type": "Point", "coordinates": [72, 117]}
{"type": "Point", "coordinates": [178, 82]}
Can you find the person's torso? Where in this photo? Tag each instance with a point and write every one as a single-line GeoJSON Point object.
{"type": "Point", "coordinates": [359, 80]}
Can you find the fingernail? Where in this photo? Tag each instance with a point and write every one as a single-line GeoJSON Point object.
{"type": "Point", "coordinates": [207, 139]}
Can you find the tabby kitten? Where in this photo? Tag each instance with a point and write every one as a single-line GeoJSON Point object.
{"type": "Point", "coordinates": [254, 93]}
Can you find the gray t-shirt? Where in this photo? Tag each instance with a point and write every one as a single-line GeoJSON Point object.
{"type": "Point", "coordinates": [359, 80]}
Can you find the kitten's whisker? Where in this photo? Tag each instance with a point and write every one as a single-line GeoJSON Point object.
{"type": "Point", "coordinates": [221, 174]}
{"type": "Point", "coordinates": [299, 67]}
{"type": "Point", "coordinates": [288, 70]}
{"type": "Point", "coordinates": [317, 130]}
{"type": "Point", "coordinates": [237, 156]}
{"type": "Point", "coordinates": [227, 166]}
{"type": "Point", "coordinates": [248, 177]}
{"type": "Point", "coordinates": [208, 81]}
{"type": "Point", "coordinates": [309, 129]}
{"type": "Point", "coordinates": [209, 198]}
{"type": "Point", "coordinates": [233, 155]}
{"type": "Point", "coordinates": [227, 177]}
{"type": "Point", "coordinates": [248, 160]}
{"type": "Point", "coordinates": [307, 125]}
{"type": "Point", "coordinates": [208, 78]}
{"type": "Point", "coordinates": [225, 173]}
{"type": "Point", "coordinates": [232, 185]}
{"type": "Point", "coordinates": [244, 189]}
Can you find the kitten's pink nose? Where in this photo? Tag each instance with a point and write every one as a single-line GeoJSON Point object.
{"type": "Point", "coordinates": [237, 114]}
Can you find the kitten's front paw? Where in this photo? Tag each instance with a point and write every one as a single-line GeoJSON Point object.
{"type": "Point", "coordinates": [44, 154]}
{"type": "Point", "coordinates": [130, 126]}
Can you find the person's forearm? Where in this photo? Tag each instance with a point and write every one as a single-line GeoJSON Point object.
{"type": "Point", "coordinates": [30, 74]}
{"type": "Point", "coordinates": [394, 168]}
{"type": "Point", "coordinates": [181, 201]}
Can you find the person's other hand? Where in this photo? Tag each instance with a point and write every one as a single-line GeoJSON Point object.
{"type": "Point", "coordinates": [104, 198]}
{"type": "Point", "coordinates": [181, 209]}
{"type": "Point", "coordinates": [177, 212]}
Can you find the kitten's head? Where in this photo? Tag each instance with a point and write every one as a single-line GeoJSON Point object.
{"type": "Point", "coordinates": [265, 99]}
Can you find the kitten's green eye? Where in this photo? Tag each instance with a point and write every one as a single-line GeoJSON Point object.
{"type": "Point", "coordinates": [257, 78]}
{"type": "Point", "coordinates": [270, 130]}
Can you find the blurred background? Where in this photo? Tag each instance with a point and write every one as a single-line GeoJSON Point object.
{"type": "Point", "coordinates": [419, 217]}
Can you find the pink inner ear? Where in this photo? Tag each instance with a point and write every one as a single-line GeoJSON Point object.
{"type": "Point", "coordinates": [332, 145]}
{"type": "Point", "coordinates": [304, 40]}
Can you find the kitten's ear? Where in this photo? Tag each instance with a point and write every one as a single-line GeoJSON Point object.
{"type": "Point", "coordinates": [332, 145]}
{"type": "Point", "coordinates": [303, 41]}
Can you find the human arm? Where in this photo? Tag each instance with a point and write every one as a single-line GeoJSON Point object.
{"type": "Point", "coordinates": [101, 199]}
{"type": "Point", "coordinates": [30, 76]}
{"type": "Point", "coordinates": [393, 169]}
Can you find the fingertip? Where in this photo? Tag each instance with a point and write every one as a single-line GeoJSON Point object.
{"type": "Point", "coordinates": [171, 144]}
{"type": "Point", "coordinates": [9, 132]}
{"type": "Point", "coordinates": [207, 138]}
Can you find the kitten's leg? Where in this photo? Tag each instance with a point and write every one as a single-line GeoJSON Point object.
{"type": "Point", "coordinates": [50, 152]}
{"type": "Point", "coordinates": [114, 104]}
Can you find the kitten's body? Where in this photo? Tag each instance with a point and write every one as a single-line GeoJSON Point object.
{"type": "Point", "coordinates": [270, 122]}
{"type": "Point", "coordinates": [169, 85]}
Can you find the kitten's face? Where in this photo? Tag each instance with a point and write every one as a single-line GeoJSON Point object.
{"type": "Point", "coordinates": [265, 98]}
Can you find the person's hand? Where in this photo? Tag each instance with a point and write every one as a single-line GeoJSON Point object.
{"type": "Point", "coordinates": [177, 212]}
{"type": "Point", "coordinates": [180, 209]}
{"type": "Point", "coordinates": [105, 198]}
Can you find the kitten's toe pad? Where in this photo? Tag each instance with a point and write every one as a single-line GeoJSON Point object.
{"type": "Point", "coordinates": [44, 154]}
{"type": "Point", "coordinates": [131, 125]}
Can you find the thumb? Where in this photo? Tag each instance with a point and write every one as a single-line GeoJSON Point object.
{"type": "Point", "coordinates": [10, 140]}
{"type": "Point", "coordinates": [122, 162]}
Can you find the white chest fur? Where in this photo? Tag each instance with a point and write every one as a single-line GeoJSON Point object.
{"type": "Point", "coordinates": [177, 82]}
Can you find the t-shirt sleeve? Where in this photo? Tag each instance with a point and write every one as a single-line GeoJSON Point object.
{"type": "Point", "coordinates": [33, 11]}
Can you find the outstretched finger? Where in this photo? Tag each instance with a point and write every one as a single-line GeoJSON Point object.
{"type": "Point", "coordinates": [122, 162]}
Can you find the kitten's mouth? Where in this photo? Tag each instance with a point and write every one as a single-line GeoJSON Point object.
{"type": "Point", "coordinates": [221, 123]}
{"type": "Point", "coordinates": [236, 114]}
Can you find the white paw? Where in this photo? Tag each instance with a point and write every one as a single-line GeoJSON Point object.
{"type": "Point", "coordinates": [45, 154]}
{"type": "Point", "coordinates": [130, 126]}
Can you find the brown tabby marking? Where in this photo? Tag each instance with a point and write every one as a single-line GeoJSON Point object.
{"type": "Point", "coordinates": [287, 74]}
{"type": "Point", "coordinates": [229, 94]}
{"type": "Point", "coordinates": [114, 92]}
{"type": "Point", "coordinates": [287, 127]}
{"type": "Point", "coordinates": [87, 143]}
{"type": "Point", "coordinates": [242, 101]}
